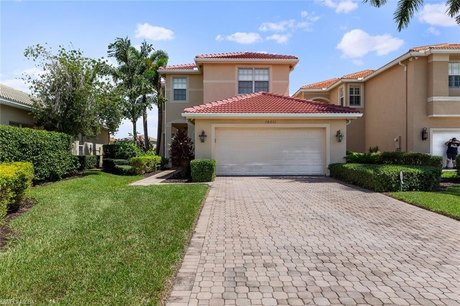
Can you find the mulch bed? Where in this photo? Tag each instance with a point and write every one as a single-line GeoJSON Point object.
{"type": "Point", "coordinates": [6, 233]}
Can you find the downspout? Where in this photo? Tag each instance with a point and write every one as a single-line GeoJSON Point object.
{"type": "Point", "coordinates": [406, 104]}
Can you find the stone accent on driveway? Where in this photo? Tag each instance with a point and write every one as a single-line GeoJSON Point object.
{"type": "Point", "coordinates": [314, 241]}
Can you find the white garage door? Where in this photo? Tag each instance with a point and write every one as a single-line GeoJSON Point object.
{"type": "Point", "coordinates": [438, 140]}
{"type": "Point", "coordinates": [270, 151]}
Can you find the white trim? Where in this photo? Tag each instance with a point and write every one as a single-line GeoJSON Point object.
{"type": "Point", "coordinates": [293, 126]}
{"type": "Point", "coordinates": [443, 99]}
{"type": "Point", "coordinates": [272, 115]}
{"type": "Point", "coordinates": [246, 60]}
{"type": "Point", "coordinates": [187, 93]}
{"type": "Point", "coordinates": [361, 95]}
{"type": "Point", "coordinates": [178, 71]}
{"type": "Point", "coordinates": [15, 104]}
{"type": "Point", "coordinates": [443, 116]}
{"type": "Point", "coordinates": [438, 130]}
{"type": "Point", "coordinates": [321, 98]}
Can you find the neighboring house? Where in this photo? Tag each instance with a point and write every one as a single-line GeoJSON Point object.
{"type": "Point", "coordinates": [409, 104]}
{"type": "Point", "coordinates": [236, 108]}
{"type": "Point", "coordinates": [16, 108]}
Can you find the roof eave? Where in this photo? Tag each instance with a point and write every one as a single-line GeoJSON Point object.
{"type": "Point", "coordinates": [179, 71]}
{"type": "Point", "coordinates": [272, 115]}
{"type": "Point", "coordinates": [248, 60]}
{"type": "Point", "coordinates": [15, 104]}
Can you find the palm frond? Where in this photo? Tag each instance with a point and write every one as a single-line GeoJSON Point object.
{"type": "Point", "coordinates": [404, 12]}
{"type": "Point", "coordinates": [376, 3]}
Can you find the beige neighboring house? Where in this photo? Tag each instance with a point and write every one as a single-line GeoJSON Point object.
{"type": "Point", "coordinates": [236, 108]}
{"type": "Point", "coordinates": [16, 108]}
{"type": "Point", "coordinates": [410, 104]}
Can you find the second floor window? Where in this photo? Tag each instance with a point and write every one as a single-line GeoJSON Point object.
{"type": "Point", "coordinates": [355, 95]}
{"type": "Point", "coordinates": [341, 96]}
{"type": "Point", "coordinates": [454, 75]}
{"type": "Point", "coordinates": [180, 89]}
{"type": "Point", "coordinates": [252, 80]}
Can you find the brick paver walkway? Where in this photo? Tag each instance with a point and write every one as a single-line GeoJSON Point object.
{"type": "Point", "coordinates": [304, 241]}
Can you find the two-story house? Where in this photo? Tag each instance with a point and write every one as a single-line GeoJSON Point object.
{"type": "Point", "coordinates": [410, 104]}
{"type": "Point", "coordinates": [236, 107]}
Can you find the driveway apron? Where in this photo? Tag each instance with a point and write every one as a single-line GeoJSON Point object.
{"type": "Point", "coordinates": [315, 241]}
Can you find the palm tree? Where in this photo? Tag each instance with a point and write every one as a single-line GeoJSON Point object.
{"type": "Point", "coordinates": [130, 76]}
{"type": "Point", "coordinates": [406, 9]}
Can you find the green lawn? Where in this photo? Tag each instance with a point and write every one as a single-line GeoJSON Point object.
{"type": "Point", "coordinates": [444, 202]}
{"type": "Point", "coordinates": [96, 241]}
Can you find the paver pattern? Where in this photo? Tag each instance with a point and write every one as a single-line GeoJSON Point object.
{"type": "Point", "coordinates": [314, 241]}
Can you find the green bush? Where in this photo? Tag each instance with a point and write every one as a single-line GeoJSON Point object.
{"type": "Point", "coordinates": [125, 170]}
{"type": "Point", "coordinates": [15, 178]}
{"type": "Point", "coordinates": [87, 162]}
{"type": "Point", "coordinates": [118, 166]}
{"type": "Point", "coordinates": [145, 164]}
{"type": "Point", "coordinates": [122, 149]}
{"type": "Point", "coordinates": [457, 161]}
{"type": "Point", "coordinates": [49, 152]}
{"type": "Point", "coordinates": [394, 158]}
{"type": "Point", "coordinates": [203, 170]}
{"type": "Point", "coordinates": [384, 178]}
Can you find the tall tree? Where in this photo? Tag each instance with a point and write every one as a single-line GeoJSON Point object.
{"type": "Point", "coordinates": [72, 94]}
{"type": "Point", "coordinates": [406, 9]}
{"type": "Point", "coordinates": [129, 76]}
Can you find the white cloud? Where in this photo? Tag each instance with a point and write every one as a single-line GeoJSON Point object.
{"type": "Point", "coordinates": [279, 38]}
{"type": "Point", "coordinates": [151, 32]}
{"type": "Point", "coordinates": [357, 43]}
{"type": "Point", "coordinates": [434, 31]}
{"type": "Point", "coordinates": [245, 38]}
{"type": "Point", "coordinates": [280, 26]}
{"type": "Point", "coordinates": [340, 6]}
{"type": "Point", "coordinates": [435, 15]}
{"type": "Point", "coordinates": [358, 62]}
{"type": "Point", "coordinates": [16, 79]}
{"type": "Point", "coordinates": [16, 83]}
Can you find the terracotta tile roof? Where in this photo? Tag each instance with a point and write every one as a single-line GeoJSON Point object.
{"type": "Point", "coordinates": [322, 84]}
{"type": "Point", "coordinates": [263, 102]}
{"type": "Point", "coordinates": [359, 74]}
{"type": "Point", "coordinates": [327, 83]}
{"type": "Point", "coordinates": [180, 67]}
{"type": "Point", "coordinates": [437, 47]}
{"type": "Point", "coordinates": [9, 93]}
{"type": "Point", "coordinates": [246, 55]}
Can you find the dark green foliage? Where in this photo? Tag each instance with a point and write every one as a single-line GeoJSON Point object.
{"type": "Point", "coordinates": [118, 166]}
{"type": "Point", "coordinates": [181, 150]}
{"type": "Point", "coordinates": [87, 162]}
{"type": "Point", "coordinates": [125, 170]}
{"type": "Point", "coordinates": [203, 170]}
{"type": "Point", "coordinates": [122, 149]}
{"type": "Point", "coordinates": [457, 160]}
{"type": "Point", "coordinates": [383, 178]}
{"type": "Point", "coordinates": [394, 158]}
{"type": "Point", "coordinates": [145, 164]}
{"type": "Point", "coordinates": [15, 178]}
{"type": "Point", "coordinates": [164, 162]}
{"type": "Point", "coordinates": [49, 152]}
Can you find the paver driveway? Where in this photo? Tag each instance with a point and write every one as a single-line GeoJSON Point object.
{"type": "Point", "coordinates": [312, 240]}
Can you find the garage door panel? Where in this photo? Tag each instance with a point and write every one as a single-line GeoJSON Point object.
{"type": "Point", "coordinates": [269, 151]}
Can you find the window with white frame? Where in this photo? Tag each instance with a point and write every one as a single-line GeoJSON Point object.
{"type": "Point", "coordinates": [341, 97]}
{"type": "Point", "coordinates": [253, 80]}
{"type": "Point", "coordinates": [354, 95]}
{"type": "Point", "coordinates": [454, 75]}
{"type": "Point", "coordinates": [179, 89]}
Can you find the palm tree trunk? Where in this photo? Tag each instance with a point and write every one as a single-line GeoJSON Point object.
{"type": "Point", "coordinates": [146, 132]}
{"type": "Point", "coordinates": [134, 131]}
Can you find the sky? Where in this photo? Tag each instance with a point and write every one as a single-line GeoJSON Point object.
{"type": "Point", "coordinates": [330, 37]}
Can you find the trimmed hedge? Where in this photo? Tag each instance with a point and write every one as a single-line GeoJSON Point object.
{"type": "Point", "coordinates": [15, 178]}
{"type": "Point", "coordinates": [118, 166]}
{"type": "Point", "coordinates": [145, 164]}
{"type": "Point", "coordinates": [395, 158]}
{"type": "Point", "coordinates": [384, 178]}
{"type": "Point", "coordinates": [49, 152]}
{"type": "Point", "coordinates": [87, 162]}
{"type": "Point", "coordinates": [203, 170]}
{"type": "Point", "coordinates": [457, 161]}
{"type": "Point", "coordinates": [121, 150]}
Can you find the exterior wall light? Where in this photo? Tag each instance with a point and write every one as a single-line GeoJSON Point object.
{"type": "Point", "coordinates": [202, 136]}
{"type": "Point", "coordinates": [339, 136]}
{"type": "Point", "coordinates": [424, 134]}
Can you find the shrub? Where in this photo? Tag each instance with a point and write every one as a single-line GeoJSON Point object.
{"type": "Point", "coordinates": [181, 149]}
{"type": "Point", "coordinates": [87, 162]}
{"type": "Point", "coordinates": [203, 170]}
{"type": "Point", "coordinates": [394, 158]}
{"type": "Point", "coordinates": [122, 149]}
{"type": "Point", "coordinates": [118, 166]}
{"type": "Point", "coordinates": [125, 170]}
{"type": "Point", "coordinates": [164, 162]}
{"type": "Point", "coordinates": [457, 161]}
{"type": "Point", "coordinates": [15, 178]}
{"type": "Point", "coordinates": [145, 164]}
{"type": "Point", "coordinates": [383, 178]}
{"type": "Point", "coordinates": [49, 152]}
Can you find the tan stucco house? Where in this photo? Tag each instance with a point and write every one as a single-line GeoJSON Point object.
{"type": "Point", "coordinates": [410, 104]}
{"type": "Point", "coordinates": [16, 110]}
{"type": "Point", "coordinates": [236, 107]}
